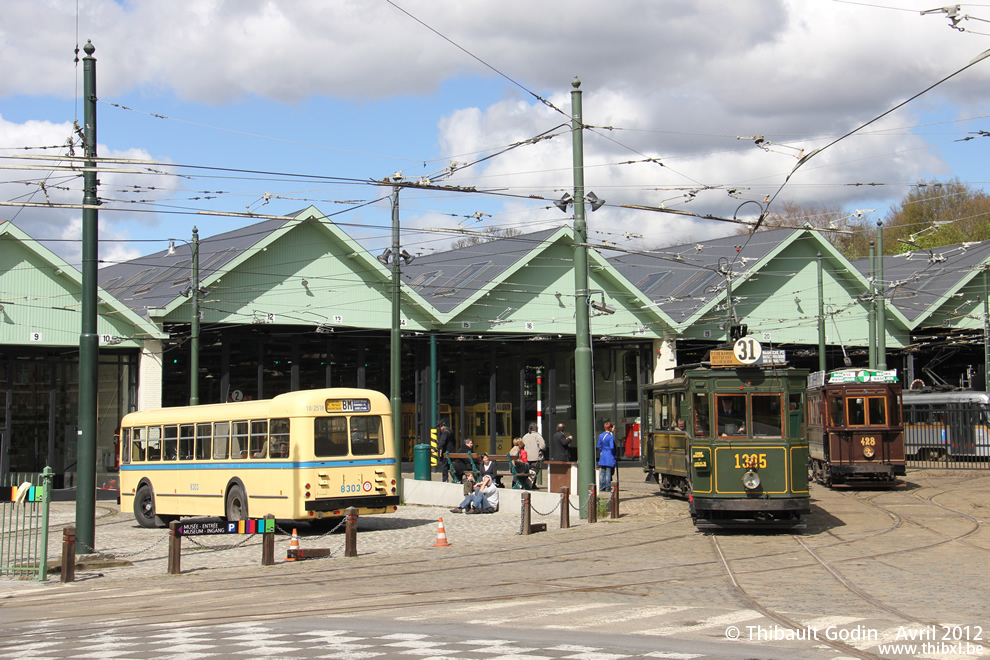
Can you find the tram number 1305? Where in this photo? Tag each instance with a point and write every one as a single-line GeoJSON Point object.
{"type": "Point", "coordinates": [745, 461]}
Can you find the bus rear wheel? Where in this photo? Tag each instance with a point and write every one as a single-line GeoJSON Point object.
{"type": "Point", "coordinates": [144, 507]}
{"type": "Point", "coordinates": [236, 508]}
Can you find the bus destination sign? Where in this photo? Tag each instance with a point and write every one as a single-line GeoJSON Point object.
{"type": "Point", "coordinates": [349, 405]}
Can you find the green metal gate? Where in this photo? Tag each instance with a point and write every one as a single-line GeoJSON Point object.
{"type": "Point", "coordinates": [24, 526]}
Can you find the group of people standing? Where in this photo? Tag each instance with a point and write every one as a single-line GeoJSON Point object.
{"type": "Point", "coordinates": [527, 455]}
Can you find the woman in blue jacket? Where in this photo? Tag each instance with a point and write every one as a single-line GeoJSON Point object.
{"type": "Point", "coordinates": [606, 459]}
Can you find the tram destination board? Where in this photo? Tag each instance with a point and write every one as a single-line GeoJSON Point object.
{"type": "Point", "coordinates": [726, 358]}
{"type": "Point", "coordinates": [348, 405]}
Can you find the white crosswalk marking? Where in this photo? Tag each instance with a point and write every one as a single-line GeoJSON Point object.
{"type": "Point", "coordinates": [721, 620]}
{"type": "Point", "coordinates": [631, 615]}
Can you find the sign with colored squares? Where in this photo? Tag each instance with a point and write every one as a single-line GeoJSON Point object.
{"type": "Point", "coordinates": [212, 526]}
{"type": "Point", "coordinates": [9, 493]}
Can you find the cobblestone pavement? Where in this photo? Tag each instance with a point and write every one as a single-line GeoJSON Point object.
{"type": "Point", "coordinates": [872, 568]}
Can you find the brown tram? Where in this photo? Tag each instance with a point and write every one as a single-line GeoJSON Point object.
{"type": "Point", "coordinates": [855, 431]}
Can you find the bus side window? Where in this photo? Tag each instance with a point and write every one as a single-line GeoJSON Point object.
{"type": "Point", "coordinates": [154, 443]}
{"type": "Point", "coordinates": [239, 440]}
{"type": "Point", "coordinates": [137, 446]}
{"type": "Point", "coordinates": [278, 443]}
{"type": "Point", "coordinates": [125, 446]}
{"type": "Point", "coordinates": [221, 438]}
{"type": "Point", "coordinates": [366, 436]}
{"type": "Point", "coordinates": [187, 436]}
{"type": "Point", "coordinates": [259, 438]}
{"type": "Point", "coordinates": [330, 436]}
{"type": "Point", "coordinates": [204, 441]}
{"type": "Point", "coordinates": [171, 445]}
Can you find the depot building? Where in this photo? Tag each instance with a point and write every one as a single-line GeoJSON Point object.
{"type": "Point", "coordinates": [294, 303]}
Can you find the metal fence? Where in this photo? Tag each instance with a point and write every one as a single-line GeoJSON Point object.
{"type": "Point", "coordinates": [24, 525]}
{"type": "Point", "coordinates": [947, 436]}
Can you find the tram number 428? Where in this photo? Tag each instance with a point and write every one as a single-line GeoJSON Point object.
{"type": "Point", "coordinates": [868, 442]}
{"type": "Point", "coordinates": [751, 461]}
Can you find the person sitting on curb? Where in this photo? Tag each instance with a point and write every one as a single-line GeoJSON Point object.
{"type": "Point", "coordinates": [462, 466]}
{"type": "Point", "coordinates": [484, 499]}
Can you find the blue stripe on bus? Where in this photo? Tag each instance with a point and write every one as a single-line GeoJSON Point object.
{"type": "Point", "coordinates": [255, 465]}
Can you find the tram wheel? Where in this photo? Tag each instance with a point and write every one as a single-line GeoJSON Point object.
{"type": "Point", "coordinates": [236, 508]}
{"type": "Point", "coordinates": [144, 508]}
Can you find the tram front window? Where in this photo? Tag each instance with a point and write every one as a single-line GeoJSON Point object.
{"type": "Point", "coordinates": [730, 411]}
{"type": "Point", "coordinates": [878, 411]}
{"type": "Point", "coordinates": [766, 416]}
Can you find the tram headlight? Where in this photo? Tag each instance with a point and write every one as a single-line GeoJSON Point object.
{"type": "Point", "coordinates": [751, 480]}
{"type": "Point", "coordinates": [868, 451]}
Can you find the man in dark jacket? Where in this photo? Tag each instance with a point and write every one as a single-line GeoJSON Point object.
{"type": "Point", "coordinates": [445, 445]}
{"type": "Point", "coordinates": [462, 466]}
{"type": "Point", "coordinates": [560, 445]}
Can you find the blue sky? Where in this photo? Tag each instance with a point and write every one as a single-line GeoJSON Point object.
{"type": "Point", "coordinates": [359, 90]}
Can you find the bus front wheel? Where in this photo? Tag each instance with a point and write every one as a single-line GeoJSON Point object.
{"type": "Point", "coordinates": [236, 504]}
{"type": "Point", "coordinates": [144, 507]}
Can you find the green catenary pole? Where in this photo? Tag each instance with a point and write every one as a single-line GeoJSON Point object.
{"type": "Point", "coordinates": [194, 324]}
{"type": "Point", "coordinates": [583, 397]}
{"type": "Point", "coordinates": [821, 315]}
{"type": "Point", "coordinates": [395, 373]}
{"type": "Point", "coordinates": [873, 307]}
{"type": "Point", "coordinates": [881, 304]}
{"type": "Point", "coordinates": [89, 343]}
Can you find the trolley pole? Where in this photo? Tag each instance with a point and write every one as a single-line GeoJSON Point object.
{"type": "Point", "coordinates": [583, 399]}
{"type": "Point", "coordinates": [89, 347]}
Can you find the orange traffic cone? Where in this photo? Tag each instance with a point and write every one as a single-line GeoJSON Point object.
{"type": "Point", "coordinates": [441, 536]}
{"type": "Point", "coordinates": [293, 547]}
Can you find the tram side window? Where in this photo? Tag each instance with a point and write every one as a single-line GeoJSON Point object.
{"type": "Point", "coordinates": [278, 442]}
{"type": "Point", "coordinates": [239, 440]}
{"type": "Point", "coordinates": [701, 421]}
{"type": "Point", "coordinates": [154, 443]}
{"type": "Point", "coordinates": [837, 410]}
{"type": "Point", "coordinates": [877, 408]}
{"type": "Point", "coordinates": [857, 411]}
{"type": "Point", "coordinates": [171, 445]}
{"type": "Point", "coordinates": [767, 415]}
{"type": "Point", "coordinates": [676, 404]}
{"type": "Point", "coordinates": [259, 438]}
{"type": "Point", "coordinates": [204, 441]}
{"type": "Point", "coordinates": [366, 436]}
{"type": "Point", "coordinates": [330, 436]}
{"type": "Point", "coordinates": [137, 446]}
{"type": "Point", "coordinates": [125, 446]}
{"type": "Point", "coordinates": [503, 422]}
{"type": "Point", "coordinates": [221, 439]}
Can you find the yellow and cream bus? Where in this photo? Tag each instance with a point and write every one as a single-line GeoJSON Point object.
{"type": "Point", "coordinates": [299, 456]}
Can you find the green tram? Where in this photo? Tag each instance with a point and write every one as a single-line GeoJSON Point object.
{"type": "Point", "coordinates": [729, 436]}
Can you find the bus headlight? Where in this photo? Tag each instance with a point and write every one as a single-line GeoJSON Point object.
{"type": "Point", "coordinates": [751, 480]}
{"type": "Point", "coordinates": [868, 451]}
